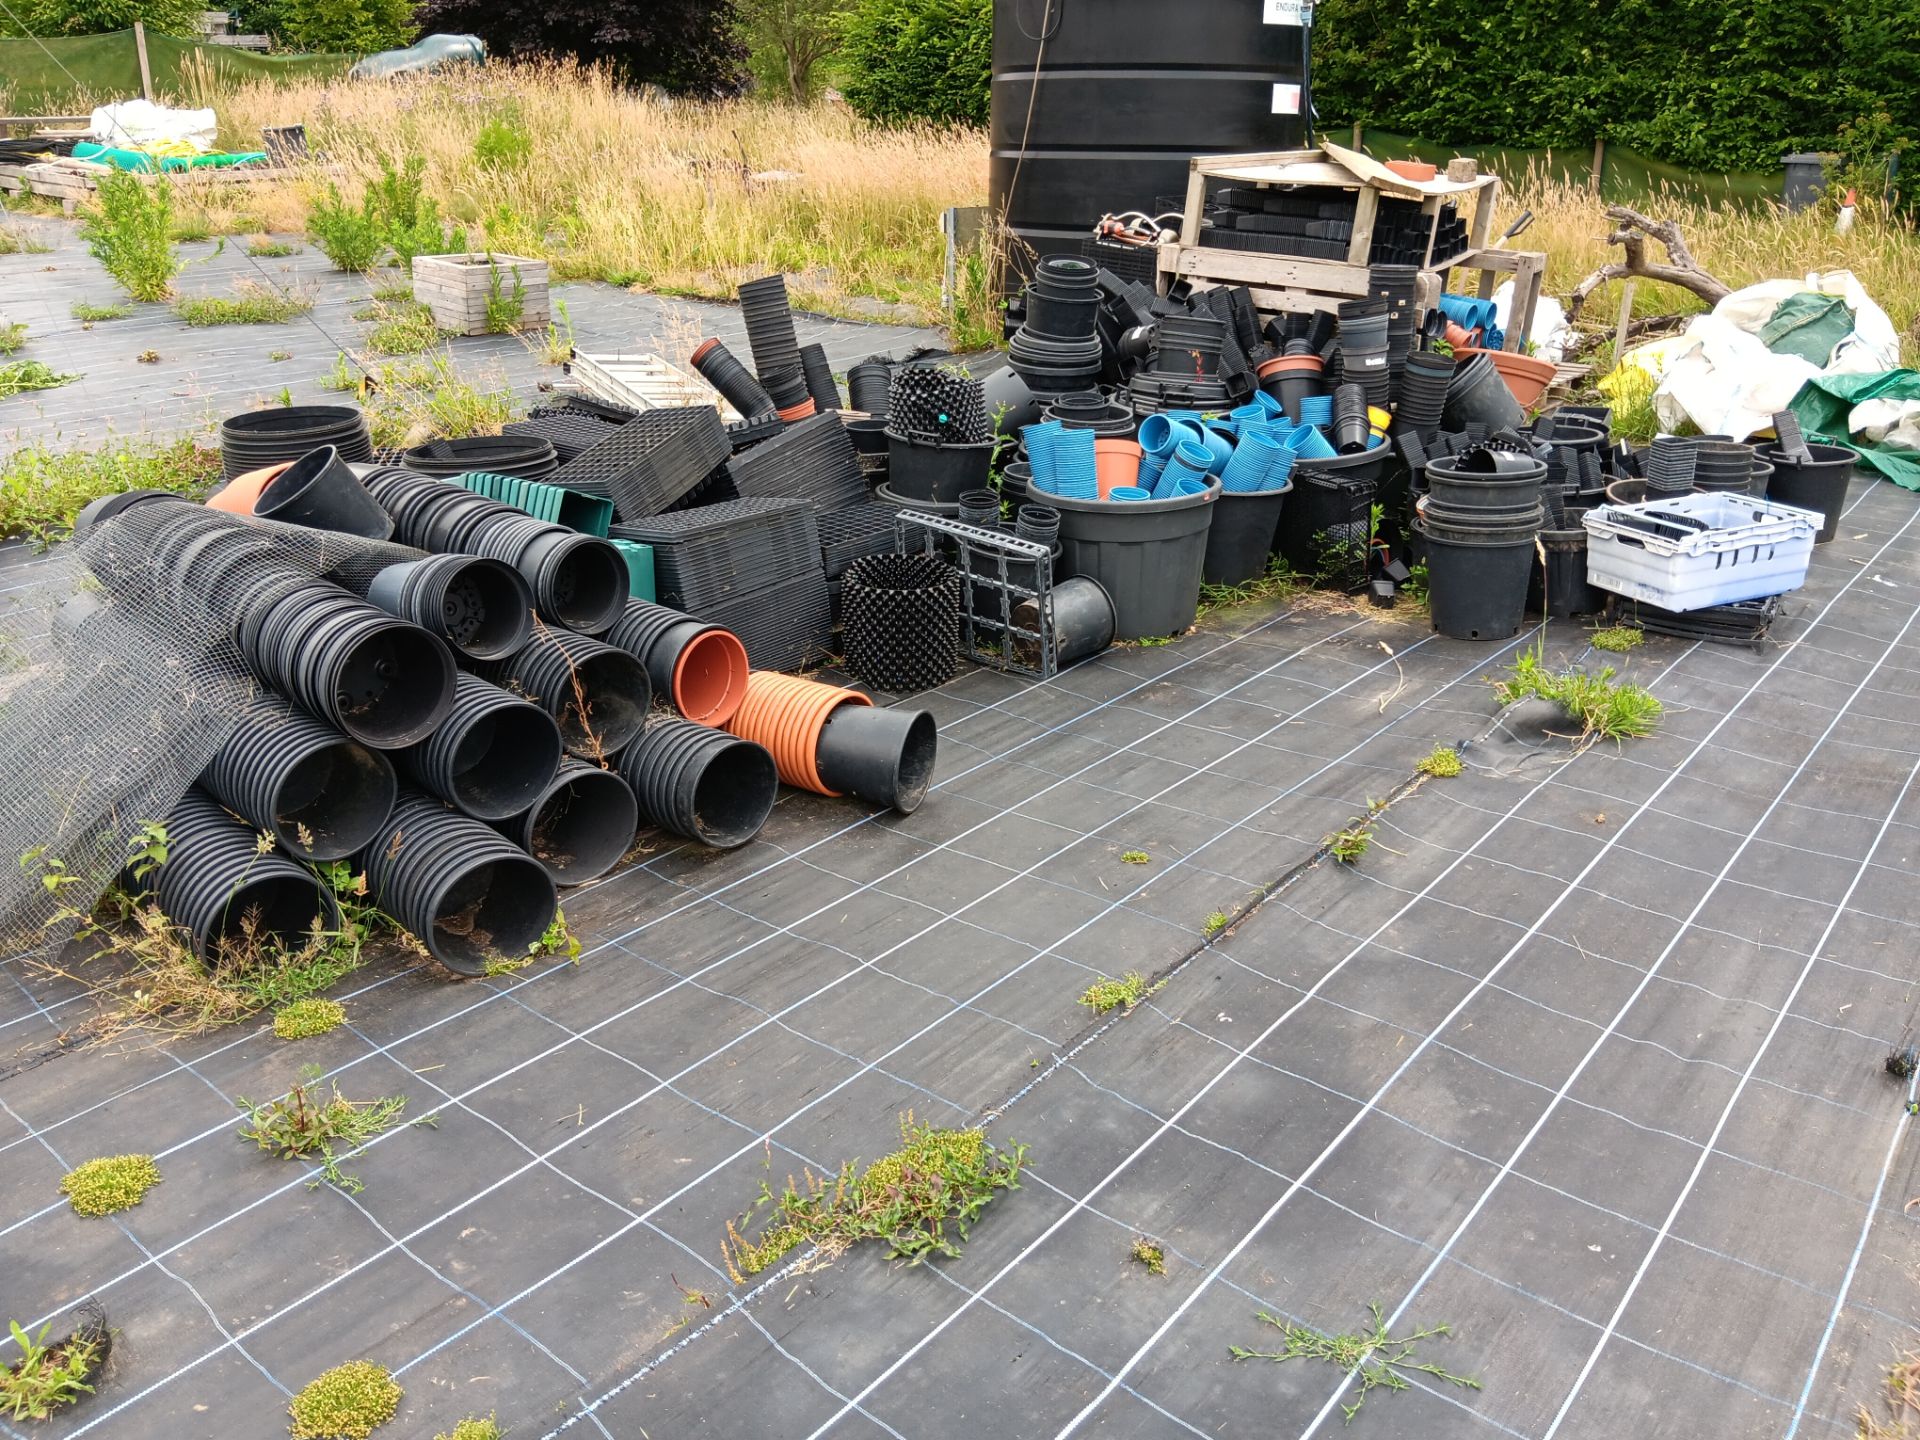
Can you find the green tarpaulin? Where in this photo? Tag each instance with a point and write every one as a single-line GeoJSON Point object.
{"type": "Point", "coordinates": [1825, 401]}
{"type": "Point", "coordinates": [70, 75]}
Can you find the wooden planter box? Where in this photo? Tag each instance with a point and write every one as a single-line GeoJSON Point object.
{"type": "Point", "coordinates": [457, 287]}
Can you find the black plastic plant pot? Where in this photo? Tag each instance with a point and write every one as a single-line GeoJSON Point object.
{"type": "Point", "coordinates": [1016, 483]}
{"type": "Point", "coordinates": [286, 432]}
{"type": "Point", "coordinates": [1820, 484]}
{"type": "Point", "coordinates": [492, 755]}
{"type": "Point", "coordinates": [465, 891]}
{"type": "Point", "coordinates": [320, 795]}
{"type": "Point", "coordinates": [1350, 419]}
{"type": "Point", "coordinates": [383, 681]}
{"type": "Point", "coordinates": [1148, 556]}
{"type": "Point", "coordinates": [1562, 590]}
{"type": "Point", "coordinates": [900, 621]}
{"type": "Point", "coordinates": [1478, 591]}
{"type": "Point", "coordinates": [1083, 622]}
{"type": "Point", "coordinates": [599, 694]}
{"type": "Point", "coordinates": [1478, 395]}
{"type": "Point", "coordinates": [1038, 523]}
{"type": "Point", "coordinates": [940, 473]}
{"type": "Point", "coordinates": [719, 367]}
{"type": "Point", "coordinates": [869, 436]}
{"type": "Point", "coordinates": [769, 320]}
{"type": "Point", "coordinates": [703, 784]}
{"type": "Point", "coordinates": [869, 388]}
{"type": "Point", "coordinates": [1010, 401]}
{"type": "Point", "coordinates": [980, 507]}
{"type": "Point", "coordinates": [579, 825]}
{"type": "Point", "coordinates": [579, 581]}
{"type": "Point", "coordinates": [819, 375]}
{"type": "Point", "coordinates": [883, 756]}
{"type": "Point", "coordinates": [109, 507]}
{"type": "Point", "coordinates": [1240, 539]}
{"type": "Point", "coordinates": [522, 456]}
{"type": "Point", "coordinates": [482, 608]}
{"type": "Point", "coordinates": [1458, 491]}
{"type": "Point", "coordinates": [320, 491]}
{"type": "Point", "coordinates": [220, 888]}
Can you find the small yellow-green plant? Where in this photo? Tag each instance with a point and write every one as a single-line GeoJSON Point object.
{"type": "Point", "coordinates": [92, 314]}
{"type": "Point", "coordinates": [1216, 922]}
{"type": "Point", "coordinates": [919, 1201]}
{"type": "Point", "coordinates": [1443, 763]}
{"type": "Point", "coordinates": [555, 344]}
{"type": "Point", "coordinates": [1150, 1255]}
{"type": "Point", "coordinates": [12, 337]}
{"type": "Point", "coordinates": [271, 249]}
{"type": "Point", "coordinates": [1350, 844]}
{"type": "Point", "coordinates": [46, 1377]}
{"type": "Point", "coordinates": [1129, 990]}
{"type": "Point", "coordinates": [315, 1015]}
{"type": "Point", "coordinates": [109, 1184]}
{"type": "Point", "coordinates": [21, 376]}
{"type": "Point", "coordinates": [347, 1402]}
{"type": "Point", "coordinates": [504, 305]}
{"type": "Point", "coordinates": [1617, 637]}
{"type": "Point", "coordinates": [41, 490]}
{"type": "Point", "coordinates": [1134, 857]}
{"type": "Point", "coordinates": [406, 329]}
{"type": "Point", "coordinates": [474, 1428]}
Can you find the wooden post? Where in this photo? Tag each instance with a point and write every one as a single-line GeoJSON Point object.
{"type": "Point", "coordinates": [1599, 159]}
{"type": "Point", "coordinates": [1356, 134]}
{"type": "Point", "coordinates": [146, 71]}
{"type": "Point", "coordinates": [1620, 328]}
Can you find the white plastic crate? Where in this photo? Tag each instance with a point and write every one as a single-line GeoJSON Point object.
{"type": "Point", "coordinates": [1749, 549]}
{"type": "Point", "coordinates": [643, 381]}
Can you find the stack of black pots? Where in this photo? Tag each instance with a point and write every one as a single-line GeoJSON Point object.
{"type": "Point", "coordinates": [217, 885]}
{"type": "Point", "coordinates": [1362, 342]}
{"type": "Point", "coordinates": [1183, 366]}
{"type": "Point", "coordinates": [1092, 410]}
{"type": "Point", "coordinates": [273, 436]}
{"type": "Point", "coordinates": [1057, 348]}
{"type": "Point", "coordinates": [1668, 466]}
{"type": "Point", "coordinates": [1423, 381]}
{"type": "Point", "coordinates": [1723, 465]}
{"type": "Point", "coordinates": [939, 437]}
{"type": "Point", "coordinates": [1397, 285]}
{"type": "Point", "coordinates": [525, 457]}
{"type": "Point", "coordinates": [1479, 522]}
{"type": "Point", "coordinates": [776, 348]}
{"type": "Point", "coordinates": [1479, 395]}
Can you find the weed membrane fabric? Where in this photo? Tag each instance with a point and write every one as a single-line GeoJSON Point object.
{"type": "Point", "coordinates": [1581, 1060]}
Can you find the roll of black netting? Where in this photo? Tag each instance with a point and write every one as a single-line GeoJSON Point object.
{"type": "Point", "coordinates": [769, 319]}
{"type": "Point", "coordinates": [493, 754]}
{"type": "Point", "coordinates": [525, 457]}
{"type": "Point", "coordinates": [598, 693]}
{"type": "Point", "coordinates": [820, 382]}
{"type": "Point", "coordinates": [283, 433]}
{"type": "Point", "coordinates": [320, 795]}
{"type": "Point", "coordinates": [733, 380]}
{"type": "Point", "coordinates": [223, 890]}
{"type": "Point", "coordinates": [900, 619]}
{"type": "Point", "coordinates": [868, 387]}
{"type": "Point", "coordinates": [704, 784]}
{"type": "Point", "coordinates": [469, 894]}
{"type": "Point", "coordinates": [385, 682]}
{"type": "Point", "coordinates": [579, 825]}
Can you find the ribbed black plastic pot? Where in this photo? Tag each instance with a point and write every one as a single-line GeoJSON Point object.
{"type": "Point", "coordinates": [320, 491]}
{"type": "Point", "coordinates": [1083, 622]}
{"type": "Point", "coordinates": [869, 436]}
{"type": "Point", "coordinates": [579, 825]}
{"type": "Point", "coordinates": [900, 621]}
{"type": "Point", "coordinates": [1459, 491]}
{"type": "Point", "coordinates": [598, 693]}
{"type": "Point", "coordinates": [523, 457]}
{"type": "Point", "coordinates": [1562, 590]}
{"type": "Point", "coordinates": [1240, 539]}
{"type": "Point", "coordinates": [1479, 396]}
{"type": "Point", "coordinates": [788, 389]}
{"type": "Point", "coordinates": [868, 388]}
{"type": "Point", "coordinates": [579, 581]}
{"type": "Point", "coordinates": [1016, 483]}
{"type": "Point", "coordinates": [940, 473]}
{"type": "Point", "coordinates": [1350, 418]}
{"type": "Point", "coordinates": [820, 382]}
{"type": "Point", "coordinates": [271, 436]}
{"type": "Point", "coordinates": [722, 370]}
{"type": "Point", "coordinates": [491, 756]}
{"type": "Point", "coordinates": [769, 320]}
{"type": "Point", "coordinates": [883, 756]}
{"type": "Point", "coordinates": [704, 784]}
{"type": "Point", "coordinates": [1038, 523]}
{"type": "Point", "coordinates": [385, 682]}
{"type": "Point", "coordinates": [219, 887]}
{"type": "Point", "coordinates": [319, 794]}
{"type": "Point", "coordinates": [465, 891]}
{"type": "Point", "coordinates": [482, 608]}
{"type": "Point", "coordinates": [1820, 484]}
{"type": "Point", "coordinates": [980, 507]}
{"type": "Point", "coordinates": [1477, 591]}
{"type": "Point", "coordinates": [1188, 345]}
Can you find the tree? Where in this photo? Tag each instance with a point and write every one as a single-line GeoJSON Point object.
{"type": "Point", "coordinates": [96, 17]}
{"type": "Point", "coordinates": [353, 27]}
{"type": "Point", "coordinates": [691, 47]}
{"type": "Point", "coordinates": [913, 60]}
{"type": "Point", "coordinates": [790, 38]}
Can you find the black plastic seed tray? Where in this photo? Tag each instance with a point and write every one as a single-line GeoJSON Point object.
{"type": "Point", "coordinates": [744, 434]}
{"type": "Point", "coordinates": [1745, 623]}
{"type": "Point", "coordinates": [718, 486]}
{"type": "Point", "coordinates": [812, 461]}
{"type": "Point", "coordinates": [570, 432]}
{"type": "Point", "coordinates": [846, 535]}
{"type": "Point", "coordinates": [652, 460]}
{"type": "Point", "coordinates": [706, 555]}
{"type": "Point", "coordinates": [784, 626]}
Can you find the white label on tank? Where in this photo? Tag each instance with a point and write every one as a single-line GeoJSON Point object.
{"type": "Point", "coordinates": [1280, 12]}
{"type": "Point", "coordinates": [1286, 99]}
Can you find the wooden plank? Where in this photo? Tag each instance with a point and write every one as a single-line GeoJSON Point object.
{"type": "Point", "coordinates": [1365, 211]}
{"type": "Point", "coordinates": [1527, 276]}
{"type": "Point", "coordinates": [146, 71]}
{"type": "Point", "coordinates": [1481, 235]}
{"type": "Point", "coordinates": [1196, 203]}
{"type": "Point", "coordinates": [1281, 272]}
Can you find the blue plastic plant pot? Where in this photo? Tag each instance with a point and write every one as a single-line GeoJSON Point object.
{"type": "Point", "coordinates": [1316, 410]}
{"type": "Point", "coordinates": [1190, 460]}
{"type": "Point", "coordinates": [1040, 440]}
{"type": "Point", "coordinates": [1280, 472]}
{"type": "Point", "coordinates": [1190, 485]}
{"type": "Point", "coordinates": [1310, 444]}
{"type": "Point", "coordinates": [1150, 467]}
{"type": "Point", "coordinates": [1074, 467]}
{"type": "Point", "coordinates": [1129, 493]}
{"type": "Point", "coordinates": [1161, 434]}
{"type": "Point", "coordinates": [1246, 470]}
{"type": "Point", "coordinates": [1249, 415]}
{"type": "Point", "coordinates": [1219, 440]}
{"type": "Point", "coordinates": [1275, 410]}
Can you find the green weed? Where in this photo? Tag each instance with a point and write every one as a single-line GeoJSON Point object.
{"type": "Point", "coordinates": [1443, 763]}
{"type": "Point", "coordinates": [404, 330]}
{"type": "Point", "coordinates": [20, 376]}
{"type": "Point", "coordinates": [1374, 1358]}
{"type": "Point", "coordinates": [12, 337]}
{"type": "Point", "coordinates": [45, 1377]}
{"type": "Point", "coordinates": [503, 305]}
{"type": "Point", "coordinates": [1604, 707]}
{"type": "Point", "coordinates": [474, 1428]}
{"type": "Point", "coordinates": [109, 1184]}
{"type": "Point", "coordinates": [250, 304]}
{"type": "Point", "coordinates": [1135, 857]}
{"type": "Point", "coordinates": [306, 1121]}
{"type": "Point", "coordinates": [93, 314]}
{"type": "Point", "coordinates": [1150, 1255]}
{"type": "Point", "coordinates": [348, 1402]}
{"type": "Point", "coordinates": [554, 345]}
{"type": "Point", "coordinates": [1279, 583]}
{"type": "Point", "coordinates": [271, 249]}
{"type": "Point", "coordinates": [1348, 845]}
{"type": "Point", "coordinates": [314, 1015]}
{"type": "Point", "coordinates": [41, 490]}
{"type": "Point", "coordinates": [130, 233]}
{"type": "Point", "coordinates": [1617, 638]}
{"type": "Point", "coordinates": [348, 235]}
{"type": "Point", "coordinates": [18, 240]}
{"type": "Point", "coordinates": [1216, 922]}
{"type": "Point", "coordinates": [1129, 990]}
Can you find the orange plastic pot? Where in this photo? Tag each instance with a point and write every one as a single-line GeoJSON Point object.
{"type": "Point", "coordinates": [784, 714]}
{"type": "Point", "coordinates": [1413, 169]}
{"type": "Point", "coordinates": [243, 491]}
{"type": "Point", "coordinates": [797, 412]}
{"type": "Point", "coordinates": [1459, 337]}
{"type": "Point", "coordinates": [1292, 365]}
{"type": "Point", "coordinates": [710, 678]}
{"type": "Point", "coordinates": [1116, 462]}
{"type": "Point", "coordinates": [1526, 377]}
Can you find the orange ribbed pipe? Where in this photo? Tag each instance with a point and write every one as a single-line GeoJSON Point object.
{"type": "Point", "coordinates": [238, 495]}
{"type": "Point", "coordinates": [784, 713]}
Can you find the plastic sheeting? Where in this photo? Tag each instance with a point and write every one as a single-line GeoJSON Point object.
{"type": "Point", "coordinates": [1876, 415]}
{"type": "Point", "coordinates": [142, 125]}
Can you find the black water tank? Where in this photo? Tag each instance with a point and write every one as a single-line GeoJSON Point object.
{"type": "Point", "coordinates": [1128, 91]}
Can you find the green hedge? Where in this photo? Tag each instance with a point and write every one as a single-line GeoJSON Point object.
{"type": "Point", "coordinates": [1706, 84]}
{"type": "Point", "coordinates": [909, 60]}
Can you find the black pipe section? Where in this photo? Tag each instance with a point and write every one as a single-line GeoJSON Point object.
{"type": "Point", "coordinates": [220, 887]}
{"type": "Point", "coordinates": [579, 825]}
{"type": "Point", "coordinates": [883, 756]}
{"type": "Point", "coordinates": [482, 608]}
{"type": "Point", "coordinates": [597, 692]}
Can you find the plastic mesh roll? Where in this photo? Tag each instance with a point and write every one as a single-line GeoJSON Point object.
{"type": "Point", "coordinates": [901, 621]}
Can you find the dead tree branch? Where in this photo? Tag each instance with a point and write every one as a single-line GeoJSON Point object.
{"type": "Point", "coordinates": [1631, 235]}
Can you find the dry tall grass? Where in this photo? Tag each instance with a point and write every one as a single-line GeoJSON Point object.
{"type": "Point", "coordinates": [622, 187]}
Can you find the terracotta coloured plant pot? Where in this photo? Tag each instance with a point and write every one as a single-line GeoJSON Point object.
{"type": "Point", "coordinates": [1526, 377]}
{"type": "Point", "coordinates": [710, 677]}
{"type": "Point", "coordinates": [237, 496]}
{"type": "Point", "coordinates": [1459, 337]}
{"type": "Point", "coordinates": [785, 714]}
{"type": "Point", "coordinates": [1116, 463]}
{"type": "Point", "coordinates": [1413, 169]}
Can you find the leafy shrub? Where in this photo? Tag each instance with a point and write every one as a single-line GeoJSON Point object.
{"type": "Point", "coordinates": [691, 47]}
{"type": "Point", "coordinates": [910, 60]}
{"type": "Point", "coordinates": [97, 17]}
{"type": "Point", "coordinates": [347, 27]}
{"type": "Point", "coordinates": [347, 236]}
{"type": "Point", "coordinates": [131, 234]}
{"type": "Point", "coordinates": [503, 142]}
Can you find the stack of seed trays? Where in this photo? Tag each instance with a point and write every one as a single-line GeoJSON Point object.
{"type": "Point", "coordinates": [813, 461]}
{"type": "Point", "coordinates": [589, 514]}
{"type": "Point", "coordinates": [652, 460]}
{"type": "Point", "coordinates": [846, 535]}
{"type": "Point", "coordinates": [786, 626]}
{"type": "Point", "coordinates": [571, 432]}
{"type": "Point", "coordinates": [705, 556]}
{"type": "Point", "coordinates": [716, 487]}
